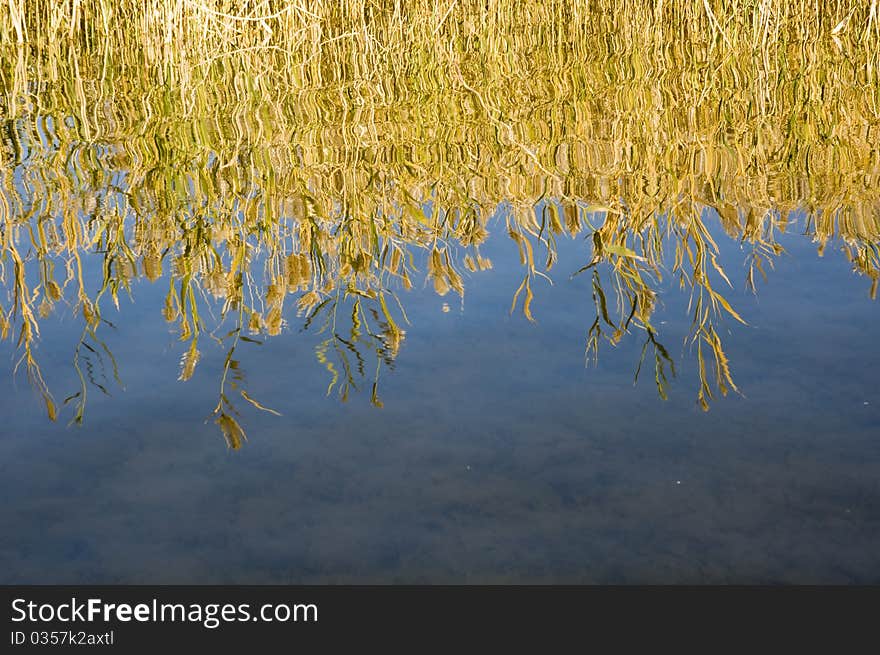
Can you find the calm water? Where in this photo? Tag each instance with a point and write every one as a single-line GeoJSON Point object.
{"type": "Point", "coordinates": [352, 295]}
{"type": "Point", "coordinates": [498, 456]}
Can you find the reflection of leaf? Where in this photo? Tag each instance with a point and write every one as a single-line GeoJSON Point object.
{"type": "Point", "coordinates": [253, 402]}
{"type": "Point", "coordinates": [374, 397]}
{"type": "Point", "coordinates": [189, 361]}
{"type": "Point", "coordinates": [50, 407]}
{"type": "Point", "coordinates": [722, 365]}
{"type": "Point", "coordinates": [516, 295]}
{"type": "Point", "coordinates": [387, 313]}
{"type": "Point", "coordinates": [717, 296]}
{"type": "Point", "coordinates": [661, 360]}
{"type": "Point", "coordinates": [599, 298]}
{"type": "Point", "coordinates": [528, 301]}
{"type": "Point", "coordinates": [232, 431]}
{"type": "Point", "coordinates": [623, 251]}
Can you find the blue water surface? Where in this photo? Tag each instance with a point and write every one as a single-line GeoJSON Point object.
{"type": "Point", "coordinates": [499, 455]}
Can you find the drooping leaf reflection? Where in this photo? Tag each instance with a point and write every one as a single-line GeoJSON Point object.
{"type": "Point", "coordinates": [294, 162]}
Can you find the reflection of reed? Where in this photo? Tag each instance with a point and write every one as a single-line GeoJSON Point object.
{"type": "Point", "coordinates": [321, 145]}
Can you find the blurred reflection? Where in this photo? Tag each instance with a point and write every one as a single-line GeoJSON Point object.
{"type": "Point", "coordinates": [319, 162]}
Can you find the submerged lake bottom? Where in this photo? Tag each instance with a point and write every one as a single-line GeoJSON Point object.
{"type": "Point", "coordinates": [498, 456]}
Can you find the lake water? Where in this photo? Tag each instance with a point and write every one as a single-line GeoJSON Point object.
{"type": "Point", "coordinates": [498, 455]}
{"type": "Point", "coordinates": [284, 314]}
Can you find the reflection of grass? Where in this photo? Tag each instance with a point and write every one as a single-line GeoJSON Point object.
{"type": "Point", "coordinates": [254, 152]}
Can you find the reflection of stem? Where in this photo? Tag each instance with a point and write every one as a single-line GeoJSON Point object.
{"type": "Point", "coordinates": [230, 428]}
{"type": "Point", "coordinates": [93, 319]}
{"type": "Point", "coordinates": [661, 359]}
{"type": "Point", "coordinates": [374, 395]}
{"type": "Point", "coordinates": [83, 390]}
{"type": "Point", "coordinates": [227, 363]}
{"type": "Point", "coordinates": [384, 341]}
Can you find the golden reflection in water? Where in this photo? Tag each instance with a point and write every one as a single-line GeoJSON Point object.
{"type": "Point", "coordinates": [257, 155]}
